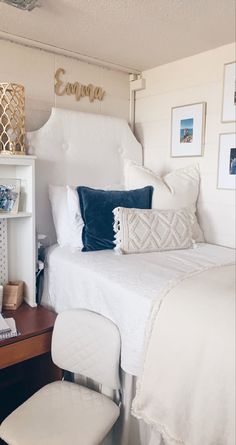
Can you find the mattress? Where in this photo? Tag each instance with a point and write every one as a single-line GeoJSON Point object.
{"type": "Point", "coordinates": [122, 288]}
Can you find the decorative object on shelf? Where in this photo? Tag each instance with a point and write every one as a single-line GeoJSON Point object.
{"type": "Point", "coordinates": [12, 119]}
{"type": "Point", "coordinates": [9, 195]}
{"type": "Point", "coordinates": [13, 295]}
{"type": "Point", "coordinates": [229, 93]}
{"type": "Point", "coordinates": [188, 130]}
{"type": "Point", "coordinates": [77, 89]}
{"type": "Point", "coordinates": [227, 161]}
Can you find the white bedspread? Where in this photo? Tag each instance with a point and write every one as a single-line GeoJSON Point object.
{"type": "Point", "coordinates": [122, 288]}
{"type": "Point", "coordinates": [187, 388]}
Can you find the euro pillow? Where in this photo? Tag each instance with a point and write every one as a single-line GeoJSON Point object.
{"type": "Point", "coordinates": [176, 190]}
{"type": "Point", "coordinates": [76, 220]}
{"type": "Point", "coordinates": [141, 231]}
{"type": "Point", "coordinates": [58, 200]}
{"type": "Point", "coordinates": [68, 222]}
{"type": "Point", "coordinates": [97, 207]}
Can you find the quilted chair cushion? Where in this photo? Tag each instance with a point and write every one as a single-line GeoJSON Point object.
{"type": "Point", "coordinates": [61, 413]}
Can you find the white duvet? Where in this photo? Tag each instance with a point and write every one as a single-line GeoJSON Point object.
{"type": "Point", "coordinates": [186, 390]}
{"type": "Point", "coordinates": [122, 288]}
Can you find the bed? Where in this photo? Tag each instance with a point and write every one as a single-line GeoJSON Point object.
{"type": "Point", "coordinates": [122, 288]}
{"type": "Point", "coordinates": [71, 148]}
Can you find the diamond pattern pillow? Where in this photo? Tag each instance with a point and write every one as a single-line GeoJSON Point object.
{"type": "Point", "coordinates": [140, 231]}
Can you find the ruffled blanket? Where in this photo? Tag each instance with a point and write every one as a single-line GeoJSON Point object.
{"type": "Point", "coordinates": [187, 387]}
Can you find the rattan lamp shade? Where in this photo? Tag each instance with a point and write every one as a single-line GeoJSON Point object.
{"type": "Point", "coordinates": [12, 119]}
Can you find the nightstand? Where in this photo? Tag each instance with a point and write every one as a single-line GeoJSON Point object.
{"type": "Point", "coordinates": [25, 361]}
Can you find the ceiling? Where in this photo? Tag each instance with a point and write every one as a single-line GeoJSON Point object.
{"type": "Point", "coordinates": [136, 34]}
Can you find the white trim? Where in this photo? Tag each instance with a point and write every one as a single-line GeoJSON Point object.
{"type": "Point", "coordinates": [64, 52]}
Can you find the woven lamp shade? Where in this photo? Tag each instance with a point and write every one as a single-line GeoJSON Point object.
{"type": "Point", "coordinates": [12, 119]}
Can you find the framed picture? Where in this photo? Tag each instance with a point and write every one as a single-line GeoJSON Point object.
{"type": "Point", "coordinates": [188, 130]}
{"type": "Point", "coordinates": [227, 161]}
{"type": "Point", "coordinates": [229, 93]}
{"type": "Point", "coordinates": [9, 195]}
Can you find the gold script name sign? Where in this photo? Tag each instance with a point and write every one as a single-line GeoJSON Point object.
{"type": "Point", "coordinates": [77, 89]}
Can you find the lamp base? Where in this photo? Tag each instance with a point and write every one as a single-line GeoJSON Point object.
{"type": "Point", "coordinates": [12, 153]}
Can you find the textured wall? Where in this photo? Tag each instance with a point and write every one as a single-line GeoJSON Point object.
{"type": "Point", "coordinates": [194, 79]}
{"type": "Point", "coordinates": [35, 69]}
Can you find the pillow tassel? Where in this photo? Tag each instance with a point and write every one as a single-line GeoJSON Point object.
{"type": "Point", "coordinates": [194, 244]}
{"type": "Point", "coordinates": [116, 228]}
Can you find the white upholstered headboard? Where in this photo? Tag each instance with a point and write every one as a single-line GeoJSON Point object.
{"type": "Point", "coordinates": [78, 148]}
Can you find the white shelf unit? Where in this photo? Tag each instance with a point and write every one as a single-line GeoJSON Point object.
{"type": "Point", "coordinates": [16, 215]}
{"type": "Point", "coordinates": [21, 238]}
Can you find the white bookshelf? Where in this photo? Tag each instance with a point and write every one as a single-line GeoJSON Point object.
{"type": "Point", "coordinates": [17, 215]}
{"type": "Point", "coordinates": [19, 228]}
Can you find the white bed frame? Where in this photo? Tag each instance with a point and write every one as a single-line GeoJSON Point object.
{"type": "Point", "coordinates": [78, 148]}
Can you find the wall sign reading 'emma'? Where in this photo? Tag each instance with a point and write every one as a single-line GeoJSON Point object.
{"type": "Point", "coordinates": [77, 89]}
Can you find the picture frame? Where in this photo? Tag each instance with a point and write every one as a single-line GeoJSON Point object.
{"type": "Point", "coordinates": [9, 195]}
{"type": "Point", "coordinates": [227, 161]}
{"type": "Point", "coordinates": [228, 113]}
{"type": "Point", "coordinates": [188, 130]}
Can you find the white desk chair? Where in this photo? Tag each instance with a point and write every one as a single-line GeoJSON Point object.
{"type": "Point", "coordinates": [64, 413]}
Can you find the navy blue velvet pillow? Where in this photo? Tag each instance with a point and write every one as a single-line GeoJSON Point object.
{"type": "Point", "coordinates": [96, 210]}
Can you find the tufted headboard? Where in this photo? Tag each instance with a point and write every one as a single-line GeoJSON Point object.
{"type": "Point", "coordinates": [78, 148]}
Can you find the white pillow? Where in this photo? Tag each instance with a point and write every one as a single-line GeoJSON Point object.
{"type": "Point", "coordinates": [152, 230]}
{"type": "Point", "coordinates": [68, 229]}
{"type": "Point", "coordinates": [176, 190]}
{"type": "Point", "coordinates": [75, 216]}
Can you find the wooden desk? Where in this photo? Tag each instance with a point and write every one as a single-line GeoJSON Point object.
{"type": "Point", "coordinates": [35, 325]}
{"type": "Point", "coordinates": [25, 361]}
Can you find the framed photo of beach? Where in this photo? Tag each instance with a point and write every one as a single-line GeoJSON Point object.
{"type": "Point", "coordinates": [227, 161]}
{"type": "Point", "coordinates": [188, 130]}
{"type": "Point", "coordinates": [229, 93]}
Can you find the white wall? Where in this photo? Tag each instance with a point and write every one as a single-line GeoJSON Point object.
{"type": "Point", "coordinates": [194, 79]}
{"type": "Point", "coordinates": [35, 69]}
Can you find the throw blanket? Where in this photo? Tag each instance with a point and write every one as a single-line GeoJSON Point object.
{"type": "Point", "coordinates": [186, 390]}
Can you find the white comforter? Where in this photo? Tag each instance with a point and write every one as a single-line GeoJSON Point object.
{"type": "Point", "coordinates": [187, 387]}
{"type": "Point", "coordinates": [122, 288]}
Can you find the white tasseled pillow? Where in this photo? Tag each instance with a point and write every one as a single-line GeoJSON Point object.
{"type": "Point", "coordinates": [144, 230]}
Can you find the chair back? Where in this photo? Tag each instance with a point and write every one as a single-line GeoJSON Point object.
{"type": "Point", "coordinates": [84, 342]}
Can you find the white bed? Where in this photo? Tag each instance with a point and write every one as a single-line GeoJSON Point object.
{"type": "Point", "coordinates": [122, 288]}
{"type": "Point", "coordinates": [71, 149]}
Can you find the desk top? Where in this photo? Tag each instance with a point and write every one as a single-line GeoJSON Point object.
{"type": "Point", "coordinates": [30, 321]}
